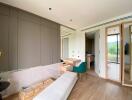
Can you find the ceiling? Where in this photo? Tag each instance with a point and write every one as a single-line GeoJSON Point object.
{"type": "Point", "coordinates": [75, 13]}
{"type": "Point", "coordinates": [65, 31]}
{"type": "Point", "coordinates": [91, 35]}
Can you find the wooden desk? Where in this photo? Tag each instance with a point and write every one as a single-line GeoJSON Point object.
{"type": "Point", "coordinates": [72, 61]}
{"type": "Point", "coordinates": [65, 68]}
{"type": "Point", "coordinates": [69, 63]}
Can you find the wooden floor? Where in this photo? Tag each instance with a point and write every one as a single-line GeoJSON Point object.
{"type": "Point", "coordinates": [94, 88]}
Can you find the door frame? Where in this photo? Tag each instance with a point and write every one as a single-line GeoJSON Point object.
{"type": "Point", "coordinates": [98, 30]}
{"type": "Point", "coordinates": [121, 48]}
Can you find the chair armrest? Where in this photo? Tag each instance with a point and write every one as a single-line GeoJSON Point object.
{"type": "Point", "coordinates": [75, 68]}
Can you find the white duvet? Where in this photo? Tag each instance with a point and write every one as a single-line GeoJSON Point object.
{"type": "Point", "coordinates": [59, 89]}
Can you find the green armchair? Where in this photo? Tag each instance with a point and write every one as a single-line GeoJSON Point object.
{"type": "Point", "coordinates": [82, 68]}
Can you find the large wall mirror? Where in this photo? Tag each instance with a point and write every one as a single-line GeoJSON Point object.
{"type": "Point", "coordinates": [127, 46]}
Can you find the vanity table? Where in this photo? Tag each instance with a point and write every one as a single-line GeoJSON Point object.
{"type": "Point", "coordinates": [72, 61]}
{"type": "Point", "coordinates": [69, 63]}
{"type": "Point", "coordinates": [66, 67]}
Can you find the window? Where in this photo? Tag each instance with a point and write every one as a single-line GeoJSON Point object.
{"type": "Point", "coordinates": [113, 43]}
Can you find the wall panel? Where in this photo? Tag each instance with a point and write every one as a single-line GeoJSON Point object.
{"type": "Point", "coordinates": [28, 44]}
{"type": "Point", "coordinates": [13, 34]}
{"type": "Point", "coordinates": [4, 29]}
{"type": "Point", "coordinates": [46, 47]}
{"type": "Point", "coordinates": [56, 44]}
{"type": "Point", "coordinates": [27, 40]}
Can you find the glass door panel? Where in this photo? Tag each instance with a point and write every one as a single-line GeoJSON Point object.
{"type": "Point", "coordinates": [113, 53]}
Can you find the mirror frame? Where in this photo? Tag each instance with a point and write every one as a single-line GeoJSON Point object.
{"type": "Point", "coordinates": [130, 31]}
{"type": "Point", "coordinates": [123, 65]}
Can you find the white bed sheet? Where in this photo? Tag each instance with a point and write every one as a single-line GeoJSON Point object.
{"type": "Point", "coordinates": [59, 89]}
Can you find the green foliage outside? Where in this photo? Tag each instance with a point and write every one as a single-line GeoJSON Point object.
{"type": "Point", "coordinates": [112, 51]}
{"type": "Point", "coordinates": [112, 48]}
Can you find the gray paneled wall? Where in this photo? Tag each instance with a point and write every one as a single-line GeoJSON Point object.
{"type": "Point", "coordinates": [12, 39]}
{"type": "Point", "coordinates": [27, 40]}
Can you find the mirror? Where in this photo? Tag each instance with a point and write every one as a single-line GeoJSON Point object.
{"type": "Point", "coordinates": [127, 45]}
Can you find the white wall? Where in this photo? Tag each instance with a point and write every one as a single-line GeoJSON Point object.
{"type": "Point", "coordinates": [97, 54]}
{"type": "Point", "coordinates": [79, 45]}
{"type": "Point", "coordinates": [29, 76]}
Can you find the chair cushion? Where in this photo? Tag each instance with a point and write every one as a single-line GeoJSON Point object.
{"type": "Point", "coordinates": [81, 68]}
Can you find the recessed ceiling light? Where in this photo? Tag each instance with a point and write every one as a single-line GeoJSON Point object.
{"type": "Point", "coordinates": [50, 8]}
{"type": "Point", "coordinates": [70, 20]}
